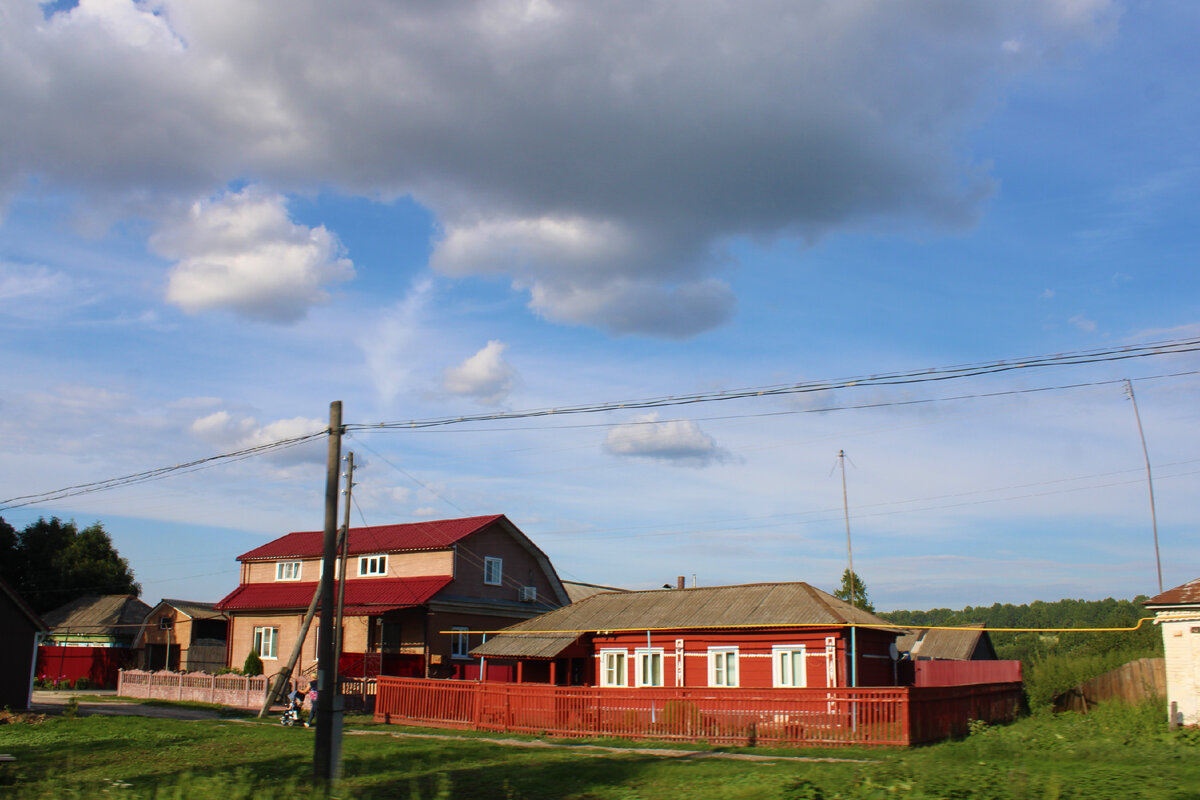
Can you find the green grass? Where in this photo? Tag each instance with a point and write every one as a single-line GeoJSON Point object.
{"type": "Point", "coordinates": [1115, 752]}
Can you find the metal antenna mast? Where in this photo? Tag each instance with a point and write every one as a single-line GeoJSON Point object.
{"type": "Point", "coordinates": [1149, 480]}
{"type": "Point", "coordinates": [846, 511]}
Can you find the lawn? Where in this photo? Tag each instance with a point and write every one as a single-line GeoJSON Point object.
{"type": "Point", "coordinates": [1115, 752]}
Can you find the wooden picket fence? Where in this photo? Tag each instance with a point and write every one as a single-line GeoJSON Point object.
{"type": "Point", "coordinates": [897, 716]}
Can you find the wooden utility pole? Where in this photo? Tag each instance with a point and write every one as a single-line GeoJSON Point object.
{"type": "Point", "coordinates": [343, 547]}
{"type": "Point", "coordinates": [846, 512]}
{"type": "Point", "coordinates": [1149, 481]}
{"type": "Point", "coordinates": [324, 756]}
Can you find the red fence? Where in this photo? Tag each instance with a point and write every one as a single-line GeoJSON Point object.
{"type": "Point", "coordinates": [818, 717]}
{"type": "Point", "coordinates": [958, 673]}
{"type": "Point", "coordinates": [99, 665]}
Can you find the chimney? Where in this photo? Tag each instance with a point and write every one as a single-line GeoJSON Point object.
{"type": "Point", "coordinates": [679, 582]}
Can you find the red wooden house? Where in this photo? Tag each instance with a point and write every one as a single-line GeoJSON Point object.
{"type": "Point", "coordinates": [413, 593]}
{"type": "Point", "coordinates": [750, 636]}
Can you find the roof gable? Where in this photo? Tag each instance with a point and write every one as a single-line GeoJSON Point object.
{"type": "Point", "coordinates": [407, 537]}
{"type": "Point", "coordinates": [22, 606]}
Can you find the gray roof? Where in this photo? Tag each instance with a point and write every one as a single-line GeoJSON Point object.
{"type": "Point", "coordinates": [195, 610]}
{"type": "Point", "coordinates": [944, 645]}
{"type": "Point", "coordinates": [576, 590]}
{"type": "Point", "coordinates": [119, 615]}
{"type": "Point", "coordinates": [753, 605]}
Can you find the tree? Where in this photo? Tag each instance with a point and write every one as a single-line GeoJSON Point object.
{"type": "Point", "coordinates": [859, 594]}
{"type": "Point", "coordinates": [253, 664]}
{"type": "Point", "coordinates": [53, 563]}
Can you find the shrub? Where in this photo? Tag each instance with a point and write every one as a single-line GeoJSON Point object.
{"type": "Point", "coordinates": [82, 682]}
{"type": "Point", "coordinates": [253, 665]}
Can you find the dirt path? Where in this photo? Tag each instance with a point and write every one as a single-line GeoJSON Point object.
{"type": "Point", "coordinates": [602, 750]}
{"type": "Point", "coordinates": [108, 704]}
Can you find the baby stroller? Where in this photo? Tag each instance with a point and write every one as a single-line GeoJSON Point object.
{"type": "Point", "coordinates": [294, 713]}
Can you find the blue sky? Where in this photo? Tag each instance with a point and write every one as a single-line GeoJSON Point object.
{"type": "Point", "coordinates": [218, 217]}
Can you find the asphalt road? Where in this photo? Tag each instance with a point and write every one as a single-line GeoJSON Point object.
{"type": "Point", "coordinates": [107, 703]}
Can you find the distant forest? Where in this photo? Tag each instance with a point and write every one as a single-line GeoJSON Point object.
{"type": "Point", "coordinates": [1055, 661]}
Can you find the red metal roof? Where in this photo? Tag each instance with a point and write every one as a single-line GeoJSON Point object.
{"type": "Point", "coordinates": [431, 535]}
{"type": "Point", "coordinates": [363, 596]}
{"type": "Point", "coordinates": [1186, 595]}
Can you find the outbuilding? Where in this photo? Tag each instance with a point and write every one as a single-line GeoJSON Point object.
{"type": "Point", "coordinates": [1177, 612]}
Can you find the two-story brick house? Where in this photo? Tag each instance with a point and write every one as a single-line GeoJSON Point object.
{"type": "Point", "coordinates": [405, 585]}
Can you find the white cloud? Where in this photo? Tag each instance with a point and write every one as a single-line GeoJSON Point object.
{"type": "Point", "coordinates": [24, 282]}
{"type": "Point", "coordinates": [391, 346]}
{"type": "Point", "coordinates": [227, 432]}
{"type": "Point", "coordinates": [485, 376]}
{"type": "Point", "coordinates": [1083, 323]}
{"type": "Point", "coordinates": [241, 252]}
{"type": "Point", "coordinates": [679, 442]}
{"type": "Point", "coordinates": [599, 155]}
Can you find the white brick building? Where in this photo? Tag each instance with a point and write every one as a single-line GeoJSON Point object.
{"type": "Point", "coordinates": [1178, 612]}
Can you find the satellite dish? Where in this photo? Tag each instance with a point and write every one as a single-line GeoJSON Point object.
{"type": "Point", "coordinates": [894, 651]}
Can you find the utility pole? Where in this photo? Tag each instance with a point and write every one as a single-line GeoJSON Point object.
{"type": "Point", "coordinates": [324, 757]}
{"type": "Point", "coordinates": [846, 511]}
{"type": "Point", "coordinates": [343, 547]}
{"type": "Point", "coordinates": [1149, 481]}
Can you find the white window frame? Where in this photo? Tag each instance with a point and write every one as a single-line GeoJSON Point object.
{"type": "Point", "coordinates": [493, 570]}
{"type": "Point", "coordinates": [783, 666]}
{"type": "Point", "coordinates": [266, 642]}
{"type": "Point", "coordinates": [614, 668]}
{"type": "Point", "coordinates": [648, 666]}
{"type": "Point", "coordinates": [372, 566]}
{"type": "Point", "coordinates": [460, 642]}
{"type": "Point", "coordinates": [720, 662]}
{"type": "Point", "coordinates": [288, 570]}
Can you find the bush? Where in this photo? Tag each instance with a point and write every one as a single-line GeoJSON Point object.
{"type": "Point", "coordinates": [82, 683]}
{"type": "Point", "coordinates": [253, 665]}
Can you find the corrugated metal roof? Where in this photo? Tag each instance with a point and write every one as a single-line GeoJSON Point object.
{"type": "Point", "coordinates": [942, 645]}
{"type": "Point", "coordinates": [371, 596]}
{"type": "Point", "coordinates": [194, 609]}
{"type": "Point", "coordinates": [111, 615]}
{"type": "Point", "coordinates": [577, 591]}
{"type": "Point", "coordinates": [431, 535]}
{"type": "Point", "coordinates": [1186, 595]}
{"type": "Point", "coordinates": [762, 604]}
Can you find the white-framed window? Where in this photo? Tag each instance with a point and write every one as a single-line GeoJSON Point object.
{"type": "Point", "coordinates": [287, 570]}
{"type": "Point", "coordinates": [165, 623]}
{"type": "Point", "coordinates": [722, 666]}
{"type": "Point", "coordinates": [372, 565]}
{"type": "Point", "coordinates": [265, 641]}
{"type": "Point", "coordinates": [788, 666]}
{"type": "Point", "coordinates": [648, 666]}
{"type": "Point", "coordinates": [493, 571]}
{"type": "Point", "coordinates": [613, 671]}
{"type": "Point", "coordinates": [459, 642]}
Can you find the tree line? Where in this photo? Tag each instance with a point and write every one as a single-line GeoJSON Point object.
{"type": "Point", "coordinates": [51, 562]}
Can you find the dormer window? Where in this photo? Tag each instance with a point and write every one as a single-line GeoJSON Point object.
{"type": "Point", "coordinates": [287, 570]}
{"type": "Point", "coordinates": [493, 571]}
{"type": "Point", "coordinates": [372, 565]}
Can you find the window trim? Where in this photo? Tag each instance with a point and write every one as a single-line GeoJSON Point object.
{"type": "Point", "coordinates": [297, 568]}
{"type": "Point", "coordinates": [261, 638]}
{"type": "Point", "coordinates": [777, 676]}
{"type": "Point", "coordinates": [718, 672]}
{"type": "Point", "coordinates": [621, 673]}
{"type": "Point", "coordinates": [639, 666]}
{"type": "Point", "coordinates": [381, 565]}
{"type": "Point", "coordinates": [496, 563]}
{"type": "Point", "coordinates": [460, 642]}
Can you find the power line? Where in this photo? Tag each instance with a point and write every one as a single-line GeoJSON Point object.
{"type": "Point", "coordinates": [1170, 347]}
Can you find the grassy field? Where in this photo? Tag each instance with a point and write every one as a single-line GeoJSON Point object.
{"type": "Point", "coordinates": [1115, 752]}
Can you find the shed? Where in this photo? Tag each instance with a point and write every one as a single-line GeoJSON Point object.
{"type": "Point", "coordinates": [20, 630]}
{"type": "Point", "coordinates": [183, 634]}
{"type": "Point", "coordinates": [1177, 612]}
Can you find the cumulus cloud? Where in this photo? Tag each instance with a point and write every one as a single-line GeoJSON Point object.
{"type": "Point", "coordinates": [485, 376]}
{"type": "Point", "coordinates": [242, 252]}
{"type": "Point", "coordinates": [229, 432]}
{"type": "Point", "coordinates": [600, 156]}
{"type": "Point", "coordinates": [678, 442]}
